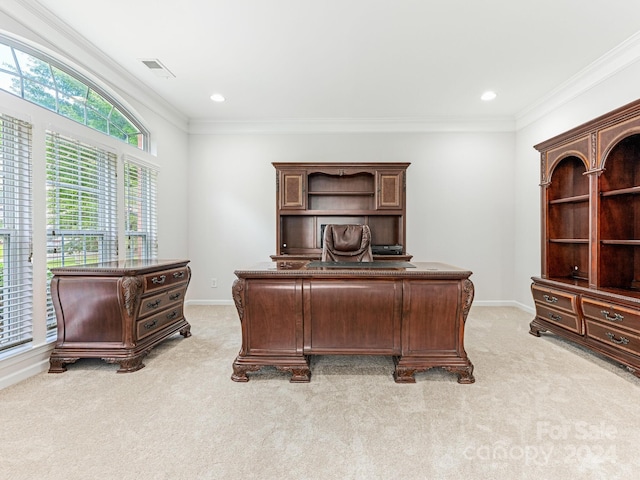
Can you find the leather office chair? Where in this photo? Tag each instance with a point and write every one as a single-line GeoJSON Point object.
{"type": "Point", "coordinates": [347, 243]}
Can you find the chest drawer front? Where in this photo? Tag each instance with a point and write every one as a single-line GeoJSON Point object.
{"type": "Point", "coordinates": [161, 301]}
{"type": "Point", "coordinates": [621, 339]}
{"type": "Point", "coordinates": [155, 322]}
{"type": "Point", "coordinates": [560, 318]}
{"type": "Point", "coordinates": [608, 314]}
{"type": "Point", "coordinates": [554, 298]}
{"type": "Point", "coordinates": [163, 279]}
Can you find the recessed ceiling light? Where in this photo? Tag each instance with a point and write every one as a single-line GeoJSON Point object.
{"type": "Point", "coordinates": [488, 96]}
{"type": "Point", "coordinates": [216, 97]}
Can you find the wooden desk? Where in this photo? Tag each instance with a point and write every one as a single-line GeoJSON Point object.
{"type": "Point", "coordinates": [289, 310]}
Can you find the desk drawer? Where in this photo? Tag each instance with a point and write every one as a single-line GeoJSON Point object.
{"type": "Point", "coordinates": [161, 301]}
{"type": "Point", "coordinates": [554, 298]}
{"type": "Point", "coordinates": [558, 317]}
{"type": "Point", "coordinates": [612, 336]}
{"type": "Point", "coordinates": [608, 314]}
{"type": "Point", "coordinates": [156, 322]}
{"type": "Point", "coordinates": [163, 279]}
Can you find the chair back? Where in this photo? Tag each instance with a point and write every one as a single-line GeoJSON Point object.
{"type": "Point", "coordinates": [346, 243]}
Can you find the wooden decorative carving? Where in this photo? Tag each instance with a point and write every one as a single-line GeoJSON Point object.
{"type": "Point", "coordinates": [131, 289]}
{"type": "Point", "coordinates": [237, 291]}
{"type": "Point", "coordinates": [468, 289]}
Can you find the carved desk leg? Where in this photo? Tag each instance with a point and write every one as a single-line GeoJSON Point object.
{"type": "Point", "coordinates": [240, 371]}
{"type": "Point", "coordinates": [186, 331]}
{"type": "Point", "coordinates": [404, 374]}
{"type": "Point", "coordinates": [57, 364]}
{"type": "Point", "coordinates": [127, 365]}
{"type": "Point", "coordinates": [299, 374]}
{"type": "Point", "coordinates": [535, 328]}
{"type": "Point", "coordinates": [465, 374]}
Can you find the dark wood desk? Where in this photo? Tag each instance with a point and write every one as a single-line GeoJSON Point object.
{"type": "Point", "coordinates": [289, 310]}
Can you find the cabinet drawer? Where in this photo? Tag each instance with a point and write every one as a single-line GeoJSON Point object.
{"type": "Point", "coordinates": [163, 279]}
{"type": "Point", "coordinates": [563, 319]}
{"type": "Point", "coordinates": [156, 322]}
{"type": "Point", "coordinates": [555, 298]}
{"type": "Point", "coordinates": [615, 315]}
{"type": "Point", "coordinates": [161, 301]}
{"type": "Point", "coordinates": [612, 336]}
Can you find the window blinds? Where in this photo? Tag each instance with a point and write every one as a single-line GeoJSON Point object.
{"type": "Point", "coordinates": [81, 206]}
{"type": "Point", "coordinates": [140, 182]}
{"type": "Point", "coordinates": [16, 279]}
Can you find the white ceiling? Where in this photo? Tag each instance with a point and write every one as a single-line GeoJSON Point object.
{"type": "Point", "coordinates": [353, 59]}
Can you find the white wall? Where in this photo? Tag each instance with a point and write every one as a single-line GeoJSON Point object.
{"type": "Point", "coordinates": [170, 154]}
{"type": "Point", "coordinates": [613, 92]}
{"type": "Point", "coordinates": [459, 200]}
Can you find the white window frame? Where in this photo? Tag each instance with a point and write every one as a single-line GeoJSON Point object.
{"type": "Point", "coordinates": [16, 231]}
{"type": "Point", "coordinates": [142, 199]}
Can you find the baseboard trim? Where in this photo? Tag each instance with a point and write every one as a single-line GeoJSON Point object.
{"type": "Point", "coordinates": [208, 302]}
{"type": "Point", "coordinates": [24, 365]}
{"type": "Point", "coordinates": [504, 303]}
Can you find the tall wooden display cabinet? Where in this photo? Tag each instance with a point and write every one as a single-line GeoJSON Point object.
{"type": "Point", "coordinates": [589, 288]}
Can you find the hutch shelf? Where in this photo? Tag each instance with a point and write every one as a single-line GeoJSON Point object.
{"type": "Point", "coordinates": [589, 288]}
{"type": "Point", "coordinates": [312, 195]}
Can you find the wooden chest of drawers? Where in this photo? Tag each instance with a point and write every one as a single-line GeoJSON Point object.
{"type": "Point", "coordinates": [117, 311]}
{"type": "Point", "coordinates": [558, 307]}
{"type": "Point", "coordinates": [605, 322]}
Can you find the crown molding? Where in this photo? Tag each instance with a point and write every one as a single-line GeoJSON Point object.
{"type": "Point", "coordinates": [617, 59]}
{"type": "Point", "coordinates": [351, 125]}
{"type": "Point", "coordinates": [71, 48]}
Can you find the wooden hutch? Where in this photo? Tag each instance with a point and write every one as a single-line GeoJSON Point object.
{"type": "Point", "coordinates": [589, 290]}
{"type": "Point", "coordinates": [312, 195]}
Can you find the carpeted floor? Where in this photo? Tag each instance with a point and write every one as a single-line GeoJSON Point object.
{"type": "Point", "coordinates": [541, 408]}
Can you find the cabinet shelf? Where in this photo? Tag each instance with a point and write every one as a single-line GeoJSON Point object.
{"type": "Point", "coordinates": [569, 240]}
{"type": "Point", "coordinates": [621, 191]}
{"type": "Point", "coordinates": [634, 243]}
{"type": "Point", "coordinates": [332, 213]}
{"type": "Point", "coordinates": [574, 199]}
{"type": "Point", "coordinates": [343, 194]}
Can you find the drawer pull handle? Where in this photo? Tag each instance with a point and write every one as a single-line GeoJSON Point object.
{"type": "Point", "coordinates": [159, 280]}
{"type": "Point", "coordinates": [622, 341]}
{"type": "Point", "coordinates": [172, 315]}
{"type": "Point", "coordinates": [550, 299]}
{"type": "Point", "coordinates": [179, 274]}
{"type": "Point", "coordinates": [555, 317]}
{"type": "Point", "coordinates": [616, 317]}
{"type": "Point", "coordinates": [153, 304]}
{"type": "Point", "coordinates": [150, 325]}
{"type": "Point", "coordinates": [175, 296]}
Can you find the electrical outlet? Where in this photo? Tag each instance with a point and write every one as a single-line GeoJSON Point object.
{"type": "Point", "coordinates": [214, 283]}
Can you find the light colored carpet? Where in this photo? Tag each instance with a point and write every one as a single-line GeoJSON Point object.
{"type": "Point", "coordinates": [541, 408]}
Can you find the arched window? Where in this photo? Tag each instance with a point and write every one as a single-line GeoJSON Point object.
{"type": "Point", "coordinates": [40, 79]}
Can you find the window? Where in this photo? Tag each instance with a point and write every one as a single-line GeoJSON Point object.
{"type": "Point", "coordinates": [81, 206]}
{"type": "Point", "coordinates": [16, 279]}
{"type": "Point", "coordinates": [34, 76]}
{"type": "Point", "coordinates": [140, 210]}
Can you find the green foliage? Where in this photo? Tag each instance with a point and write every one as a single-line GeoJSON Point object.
{"type": "Point", "coordinates": [57, 90]}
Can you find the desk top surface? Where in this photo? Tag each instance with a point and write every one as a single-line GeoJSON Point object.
{"type": "Point", "coordinates": [123, 267]}
{"type": "Point", "coordinates": [299, 268]}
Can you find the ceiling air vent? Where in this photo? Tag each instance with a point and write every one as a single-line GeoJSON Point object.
{"type": "Point", "coordinates": [158, 68]}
